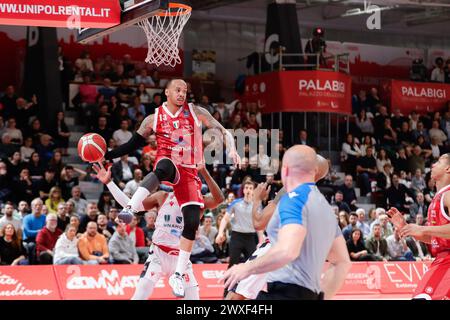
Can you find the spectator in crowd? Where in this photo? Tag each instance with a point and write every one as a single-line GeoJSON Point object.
{"type": "Point", "coordinates": [436, 149]}
{"type": "Point", "coordinates": [112, 215]}
{"type": "Point", "coordinates": [106, 90]}
{"type": "Point", "coordinates": [398, 119]}
{"type": "Point", "coordinates": [9, 218]}
{"type": "Point", "coordinates": [79, 203]}
{"type": "Point", "coordinates": [36, 167]}
{"type": "Point", "coordinates": [144, 78]}
{"type": "Point", "coordinates": [149, 229]}
{"type": "Point", "coordinates": [389, 137]}
{"type": "Point", "coordinates": [347, 231]}
{"type": "Point", "coordinates": [33, 223]}
{"type": "Point", "coordinates": [136, 108]}
{"type": "Point", "coordinates": [377, 245]}
{"type": "Point", "coordinates": [379, 121]}
{"type": "Point", "coordinates": [46, 240]}
{"type": "Point", "coordinates": [340, 203]}
{"type": "Point", "coordinates": [373, 99]}
{"type": "Point", "coordinates": [5, 187]}
{"type": "Point", "coordinates": [61, 133]}
{"type": "Point", "coordinates": [222, 109]}
{"type": "Point", "coordinates": [14, 133]}
{"type": "Point", "coordinates": [105, 202]}
{"type": "Point", "coordinates": [348, 192]}
{"type": "Point", "coordinates": [23, 186]}
{"type": "Point", "coordinates": [397, 194]}
{"type": "Point", "coordinates": [384, 178]}
{"type": "Point", "coordinates": [122, 171]}
{"type": "Point", "coordinates": [397, 247]}
{"type": "Point", "coordinates": [122, 135]}
{"type": "Point", "coordinates": [103, 129]}
{"type": "Point", "coordinates": [132, 185]}
{"type": "Point", "coordinates": [70, 208]}
{"type": "Point", "coordinates": [7, 148]}
{"type": "Point", "coordinates": [12, 251]}
{"type": "Point", "coordinates": [23, 209]}
{"type": "Point", "coordinates": [9, 101]}
{"type": "Point", "coordinates": [364, 123]}
{"type": "Point", "coordinates": [207, 229]}
{"type": "Point", "coordinates": [66, 248]}
{"type": "Point", "coordinates": [202, 251]}
{"type": "Point", "coordinates": [356, 248]}
{"type": "Point", "coordinates": [383, 220]}
{"type": "Point", "coordinates": [372, 216]}
{"type": "Point", "coordinates": [124, 92]}
{"type": "Point", "coordinates": [45, 185]}
{"type": "Point", "coordinates": [404, 136]}
{"type": "Point", "coordinates": [144, 96]}
{"type": "Point", "coordinates": [436, 132]}
{"type": "Point", "coordinates": [362, 224]}
{"type": "Point", "coordinates": [420, 131]}
{"type": "Point", "coordinates": [438, 73]}
{"type": "Point", "coordinates": [121, 247]}
{"type": "Point", "coordinates": [27, 149]}
{"type": "Point", "coordinates": [418, 182]}
{"type": "Point", "coordinates": [103, 227]}
{"type": "Point", "coordinates": [239, 174]}
{"type": "Point", "coordinates": [15, 164]}
{"type": "Point", "coordinates": [69, 180]}
{"type": "Point", "coordinates": [367, 170]}
{"type": "Point", "coordinates": [343, 219]}
{"type": "Point", "coordinates": [420, 220]}
{"type": "Point", "coordinates": [157, 101]}
{"type": "Point", "coordinates": [63, 217]}
{"type": "Point", "coordinates": [91, 215]}
{"type": "Point", "coordinates": [382, 159]}
{"type": "Point", "coordinates": [75, 222]}
{"type": "Point", "coordinates": [418, 249]}
{"type": "Point", "coordinates": [418, 207]}
{"type": "Point", "coordinates": [54, 199]}
{"type": "Point", "coordinates": [92, 246]}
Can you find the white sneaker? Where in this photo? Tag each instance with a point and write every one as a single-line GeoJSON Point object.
{"type": "Point", "coordinates": [176, 282]}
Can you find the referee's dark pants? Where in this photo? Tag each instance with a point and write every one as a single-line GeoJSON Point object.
{"type": "Point", "coordinates": [287, 291]}
{"type": "Point", "coordinates": [241, 243]}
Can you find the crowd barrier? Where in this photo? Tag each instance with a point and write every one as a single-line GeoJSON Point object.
{"type": "Point", "coordinates": [108, 282]}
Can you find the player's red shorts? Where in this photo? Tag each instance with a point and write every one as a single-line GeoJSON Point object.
{"type": "Point", "coordinates": [435, 284]}
{"type": "Point", "coordinates": [187, 186]}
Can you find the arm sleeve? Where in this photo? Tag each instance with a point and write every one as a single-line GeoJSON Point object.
{"type": "Point", "coordinates": [120, 196]}
{"type": "Point", "coordinates": [137, 141]}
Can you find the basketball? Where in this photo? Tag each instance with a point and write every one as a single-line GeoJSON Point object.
{"type": "Point", "coordinates": [324, 167]}
{"type": "Point", "coordinates": [91, 147]}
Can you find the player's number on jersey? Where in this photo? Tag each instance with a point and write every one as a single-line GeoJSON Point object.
{"type": "Point", "coordinates": [162, 117]}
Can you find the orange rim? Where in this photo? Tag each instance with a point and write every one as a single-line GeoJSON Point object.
{"type": "Point", "coordinates": [187, 10]}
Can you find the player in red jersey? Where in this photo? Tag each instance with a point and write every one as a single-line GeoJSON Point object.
{"type": "Point", "coordinates": [178, 129]}
{"type": "Point", "coordinates": [436, 282]}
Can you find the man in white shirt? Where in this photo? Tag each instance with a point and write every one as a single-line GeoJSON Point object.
{"type": "Point", "coordinates": [80, 203]}
{"type": "Point", "coordinates": [438, 74]}
{"type": "Point", "coordinates": [122, 135]}
{"type": "Point", "coordinates": [132, 185]}
{"type": "Point", "coordinates": [9, 218]}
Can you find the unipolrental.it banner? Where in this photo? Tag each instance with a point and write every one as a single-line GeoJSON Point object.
{"type": "Point", "coordinates": [61, 13]}
{"type": "Point", "coordinates": [112, 282]}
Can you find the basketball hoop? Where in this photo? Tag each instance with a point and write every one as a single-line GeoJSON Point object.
{"type": "Point", "coordinates": [163, 32]}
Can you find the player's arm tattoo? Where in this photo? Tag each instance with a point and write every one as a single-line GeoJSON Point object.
{"type": "Point", "coordinates": [146, 127]}
{"type": "Point", "coordinates": [210, 122]}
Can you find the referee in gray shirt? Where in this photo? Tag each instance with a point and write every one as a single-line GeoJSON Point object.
{"type": "Point", "coordinates": [304, 234]}
{"type": "Point", "coordinates": [243, 238]}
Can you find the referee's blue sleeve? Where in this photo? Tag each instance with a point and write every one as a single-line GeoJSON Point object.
{"type": "Point", "coordinates": [291, 207]}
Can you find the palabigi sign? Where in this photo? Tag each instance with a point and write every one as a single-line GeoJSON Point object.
{"type": "Point", "coordinates": [300, 91]}
{"type": "Point", "coordinates": [421, 97]}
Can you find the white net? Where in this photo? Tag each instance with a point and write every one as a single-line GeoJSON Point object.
{"type": "Point", "coordinates": [163, 34]}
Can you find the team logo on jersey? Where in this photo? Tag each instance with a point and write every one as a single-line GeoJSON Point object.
{"type": "Point", "coordinates": [176, 124]}
{"type": "Point", "coordinates": [179, 219]}
{"type": "Point", "coordinates": [171, 203]}
{"type": "Point", "coordinates": [186, 113]}
{"type": "Point", "coordinates": [167, 217]}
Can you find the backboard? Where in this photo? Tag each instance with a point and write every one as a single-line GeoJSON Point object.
{"type": "Point", "coordinates": [132, 12]}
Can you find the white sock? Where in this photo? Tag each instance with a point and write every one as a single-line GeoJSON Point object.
{"type": "Point", "coordinates": [144, 289]}
{"type": "Point", "coordinates": [183, 259]}
{"type": "Point", "coordinates": [191, 293]}
{"type": "Point", "coordinates": [138, 197]}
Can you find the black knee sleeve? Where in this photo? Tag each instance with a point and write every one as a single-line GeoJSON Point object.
{"type": "Point", "coordinates": [165, 171]}
{"type": "Point", "coordinates": [191, 217]}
